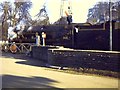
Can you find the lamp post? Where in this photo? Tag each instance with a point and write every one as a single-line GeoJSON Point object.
{"type": "Point", "coordinates": [110, 25]}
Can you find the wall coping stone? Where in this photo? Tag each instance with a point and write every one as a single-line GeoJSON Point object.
{"type": "Point", "coordinates": [68, 49]}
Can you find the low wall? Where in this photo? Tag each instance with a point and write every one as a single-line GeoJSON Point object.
{"type": "Point", "coordinates": [101, 60]}
{"type": "Point", "coordinates": [41, 52]}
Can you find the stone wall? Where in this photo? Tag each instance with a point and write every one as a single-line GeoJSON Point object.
{"type": "Point", "coordinates": [101, 60]}
{"type": "Point", "coordinates": [63, 57]}
{"type": "Point", "coordinates": [41, 52]}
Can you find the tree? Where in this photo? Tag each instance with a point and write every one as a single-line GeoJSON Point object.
{"type": "Point", "coordinates": [22, 11]}
{"type": "Point", "coordinates": [117, 10]}
{"type": "Point", "coordinates": [42, 17]}
{"type": "Point", "coordinates": [5, 8]}
{"type": "Point", "coordinates": [17, 13]}
{"type": "Point", "coordinates": [14, 12]}
{"type": "Point", "coordinates": [101, 12]}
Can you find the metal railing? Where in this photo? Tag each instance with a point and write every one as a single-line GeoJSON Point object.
{"type": "Point", "coordinates": [21, 47]}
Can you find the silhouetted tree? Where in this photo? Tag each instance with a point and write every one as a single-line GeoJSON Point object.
{"type": "Point", "coordinates": [14, 12]}
{"type": "Point", "coordinates": [42, 17]}
{"type": "Point", "coordinates": [100, 12]}
{"type": "Point", "coordinates": [5, 8]}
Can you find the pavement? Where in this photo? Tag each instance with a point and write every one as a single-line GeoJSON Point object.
{"type": "Point", "coordinates": [20, 71]}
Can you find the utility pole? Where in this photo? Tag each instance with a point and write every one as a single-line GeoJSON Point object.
{"type": "Point", "coordinates": [61, 8]}
{"type": "Point", "coordinates": [110, 25]}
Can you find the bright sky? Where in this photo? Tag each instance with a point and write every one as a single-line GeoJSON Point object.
{"type": "Point", "coordinates": [79, 8]}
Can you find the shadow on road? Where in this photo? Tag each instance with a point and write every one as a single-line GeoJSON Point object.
{"type": "Point", "coordinates": [14, 81]}
{"type": "Point", "coordinates": [25, 59]}
{"type": "Point", "coordinates": [10, 81]}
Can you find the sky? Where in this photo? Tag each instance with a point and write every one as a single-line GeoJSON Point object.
{"type": "Point", "coordinates": [79, 8]}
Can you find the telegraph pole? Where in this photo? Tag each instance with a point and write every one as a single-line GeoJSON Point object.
{"type": "Point", "coordinates": [110, 25]}
{"type": "Point", "coordinates": [61, 8]}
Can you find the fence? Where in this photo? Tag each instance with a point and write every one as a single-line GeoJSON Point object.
{"type": "Point", "coordinates": [21, 47]}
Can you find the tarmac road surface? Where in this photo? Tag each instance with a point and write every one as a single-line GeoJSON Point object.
{"type": "Point", "coordinates": [18, 72]}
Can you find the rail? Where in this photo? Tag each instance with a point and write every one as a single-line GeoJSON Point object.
{"type": "Point", "coordinates": [20, 47]}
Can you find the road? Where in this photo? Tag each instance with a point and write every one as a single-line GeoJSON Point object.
{"type": "Point", "coordinates": [19, 72]}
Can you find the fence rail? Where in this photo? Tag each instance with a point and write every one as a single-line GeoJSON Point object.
{"type": "Point", "coordinates": [20, 47]}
